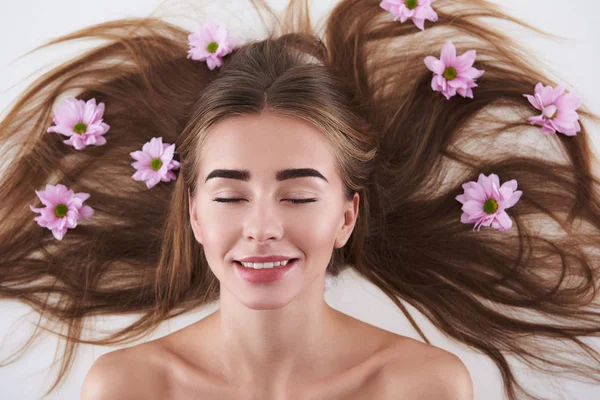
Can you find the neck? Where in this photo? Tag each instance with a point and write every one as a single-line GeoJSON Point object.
{"type": "Point", "coordinates": [267, 349]}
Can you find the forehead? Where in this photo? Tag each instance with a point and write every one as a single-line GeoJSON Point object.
{"type": "Point", "coordinates": [265, 143]}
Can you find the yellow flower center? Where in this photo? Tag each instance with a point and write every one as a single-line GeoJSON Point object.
{"type": "Point", "coordinates": [449, 73]}
{"type": "Point", "coordinates": [60, 210]}
{"type": "Point", "coordinates": [80, 128]}
{"type": "Point", "coordinates": [411, 4]}
{"type": "Point", "coordinates": [212, 47]}
{"type": "Point", "coordinates": [156, 164]}
{"type": "Point", "coordinates": [555, 114]}
{"type": "Point", "coordinates": [490, 206]}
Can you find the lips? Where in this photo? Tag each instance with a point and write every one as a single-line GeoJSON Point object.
{"type": "Point", "coordinates": [265, 262]}
{"type": "Point", "coordinates": [264, 275]}
{"type": "Point", "coordinates": [265, 259]}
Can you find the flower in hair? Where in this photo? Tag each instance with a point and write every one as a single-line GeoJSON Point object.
{"type": "Point", "coordinates": [63, 208]}
{"type": "Point", "coordinates": [558, 109]}
{"type": "Point", "coordinates": [484, 202]}
{"type": "Point", "coordinates": [417, 10]}
{"type": "Point", "coordinates": [154, 162]}
{"type": "Point", "coordinates": [210, 43]}
{"type": "Point", "coordinates": [81, 121]}
{"type": "Point", "coordinates": [453, 74]}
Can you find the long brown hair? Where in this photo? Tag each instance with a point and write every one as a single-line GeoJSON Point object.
{"type": "Point", "coordinates": [402, 146]}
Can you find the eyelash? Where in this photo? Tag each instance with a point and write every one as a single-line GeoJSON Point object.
{"type": "Point", "coordinates": [295, 201]}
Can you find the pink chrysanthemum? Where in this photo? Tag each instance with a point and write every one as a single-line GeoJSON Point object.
{"type": "Point", "coordinates": [484, 202]}
{"type": "Point", "coordinates": [210, 43]}
{"type": "Point", "coordinates": [154, 162]}
{"type": "Point", "coordinates": [558, 110]}
{"type": "Point", "coordinates": [417, 10]}
{"type": "Point", "coordinates": [81, 121]}
{"type": "Point", "coordinates": [453, 74]}
{"type": "Point", "coordinates": [63, 208]}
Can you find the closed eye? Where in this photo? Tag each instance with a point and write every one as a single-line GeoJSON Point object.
{"type": "Point", "coordinates": [295, 201]}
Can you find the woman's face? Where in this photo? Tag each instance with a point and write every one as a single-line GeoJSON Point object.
{"type": "Point", "coordinates": [264, 221]}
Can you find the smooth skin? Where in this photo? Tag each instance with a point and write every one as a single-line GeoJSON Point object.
{"type": "Point", "coordinates": [279, 340]}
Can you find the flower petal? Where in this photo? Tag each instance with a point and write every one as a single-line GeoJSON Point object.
{"type": "Point", "coordinates": [486, 183]}
{"type": "Point", "coordinates": [516, 196]}
{"type": "Point", "coordinates": [435, 65]}
{"type": "Point", "coordinates": [448, 53]}
{"type": "Point", "coordinates": [465, 61]}
{"type": "Point", "coordinates": [473, 208]}
{"type": "Point", "coordinates": [504, 220]}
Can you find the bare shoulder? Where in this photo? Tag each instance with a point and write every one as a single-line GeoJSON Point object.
{"type": "Point", "coordinates": [129, 374]}
{"type": "Point", "coordinates": [419, 371]}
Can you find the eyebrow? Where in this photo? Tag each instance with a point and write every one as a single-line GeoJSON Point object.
{"type": "Point", "coordinates": [285, 174]}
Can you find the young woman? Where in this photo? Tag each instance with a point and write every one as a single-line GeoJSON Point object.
{"type": "Point", "coordinates": [195, 168]}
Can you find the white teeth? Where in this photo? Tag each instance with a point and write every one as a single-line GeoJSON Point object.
{"type": "Point", "coordinates": [265, 265]}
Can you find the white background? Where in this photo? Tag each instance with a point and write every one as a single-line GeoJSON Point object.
{"type": "Point", "coordinates": [26, 24]}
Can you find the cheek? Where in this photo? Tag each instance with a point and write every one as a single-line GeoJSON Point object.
{"type": "Point", "coordinates": [315, 235]}
{"type": "Point", "coordinates": [321, 227]}
{"type": "Point", "coordinates": [217, 237]}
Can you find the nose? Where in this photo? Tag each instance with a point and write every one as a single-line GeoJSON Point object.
{"type": "Point", "coordinates": [263, 223]}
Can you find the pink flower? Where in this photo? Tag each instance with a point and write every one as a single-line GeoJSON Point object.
{"type": "Point", "coordinates": [211, 42]}
{"type": "Point", "coordinates": [154, 163]}
{"type": "Point", "coordinates": [558, 110]}
{"type": "Point", "coordinates": [417, 10]}
{"type": "Point", "coordinates": [63, 208]}
{"type": "Point", "coordinates": [81, 121]}
{"type": "Point", "coordinates": [453, 74]}
{"type": "Point", "coordinates": [484, 202]}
